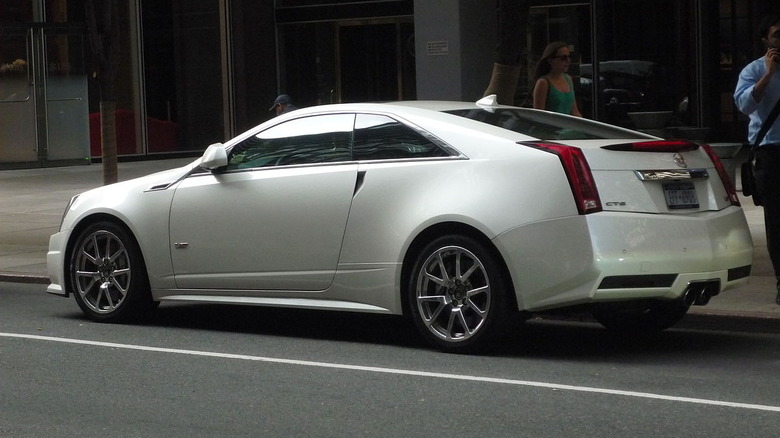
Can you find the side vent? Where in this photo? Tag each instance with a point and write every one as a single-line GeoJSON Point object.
{"type": "Point", "coordinates": [158, 187]}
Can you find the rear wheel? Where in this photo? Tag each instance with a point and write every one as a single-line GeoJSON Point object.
{"type": "Point", "coordinates": [640, 316]}
{"type": "Point", "coordinates": [108, 275]}
{"type": "Point", "coordinates": [458, 294]}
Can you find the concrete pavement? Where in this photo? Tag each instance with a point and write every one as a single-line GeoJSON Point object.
{"type": "Point", "coordinates": [33, 201]}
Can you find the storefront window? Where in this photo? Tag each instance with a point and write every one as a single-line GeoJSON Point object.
{"type": "Point", "coordinates": [16, 11]}
{"type": "Point", "coordinates": [14, 70]}
{"type": "Point", "coordinates": [572, 25]}
{"type": "Point", "coordinates": [640, 69]}
{"type": "Point", "coordinates": [349, 61]}
{"type": "Point", "coordinates": [647, 60]}
{"type": "Point", "coordinates": [307, 63]}
{"type": "Point", "coordinates": [182, 74]}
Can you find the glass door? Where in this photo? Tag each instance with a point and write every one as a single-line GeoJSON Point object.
{"type": "Point", "coordinates": [65, 95]}
{"type": "Point", "coordinates": [374, 61]}
{"type": "Point", "coordinates": [43, 96]}
{"type": "Point", "coordinates": [18, 134]}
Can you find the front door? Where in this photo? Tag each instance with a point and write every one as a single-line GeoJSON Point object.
{"type": "Point", "coordinates": [265, 229]}
{"type": "Point", "coordinates": [275, 218]}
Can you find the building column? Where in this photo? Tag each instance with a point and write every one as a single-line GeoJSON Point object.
{"type": "Point", "coordinates": [455, 45]}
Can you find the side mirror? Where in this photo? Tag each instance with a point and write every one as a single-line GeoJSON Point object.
{"type": "Point", "coordinates": [214, 157]}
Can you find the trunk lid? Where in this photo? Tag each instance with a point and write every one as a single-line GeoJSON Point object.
{"type": "Point", "coordinates": [657, 176]}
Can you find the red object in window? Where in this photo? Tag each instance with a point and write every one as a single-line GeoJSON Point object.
{"type": "Point", "coordinates": [162, 134]}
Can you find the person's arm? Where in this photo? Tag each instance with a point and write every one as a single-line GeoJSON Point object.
{"type": "Point", "coordinates": [574, 110]}
{"type": "Point", "coordinates": [743, 93]}
{"type": "Point", "coordinates": [540, 93]}
{"type": "Point", "coordinates": [771, 59]}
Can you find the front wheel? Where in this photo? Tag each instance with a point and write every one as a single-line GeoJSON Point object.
{"type": "Point", "coordinates": [108, 275]}
{"type": "Point", "coordinates": [458, 294]}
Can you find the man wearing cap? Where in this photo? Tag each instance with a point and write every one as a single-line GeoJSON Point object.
{"type": "Point", "coordinates": [283, 104]}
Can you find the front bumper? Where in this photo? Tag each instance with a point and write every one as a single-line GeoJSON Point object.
{"type": "Point", "coordinates": [55, 264]}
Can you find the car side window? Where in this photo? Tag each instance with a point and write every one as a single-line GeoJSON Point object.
{"type": "Point", "coordinates": [379, 137]}
{"type": "Point", "coordinates": [307, 140]}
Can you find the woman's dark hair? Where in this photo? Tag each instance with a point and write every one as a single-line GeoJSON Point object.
{"type": "Point", "coordinates": [766, 23]}
{"type": "Point", "coordinates": [543, 66]}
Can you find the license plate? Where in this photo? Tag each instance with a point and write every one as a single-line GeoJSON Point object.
{"type": "Point", "coordinates": [680, 195]}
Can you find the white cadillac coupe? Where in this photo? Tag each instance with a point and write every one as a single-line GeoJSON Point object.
{"type": "Point", "coordinates": [464, 216]}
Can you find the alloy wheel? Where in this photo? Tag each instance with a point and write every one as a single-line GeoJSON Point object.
{"type": "Point", "coordinates": [102, 271]}
{"type": "Point", "coordinates": [453, 294]}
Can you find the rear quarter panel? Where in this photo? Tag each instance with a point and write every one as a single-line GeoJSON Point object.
{"type": "Point", "coordinates": [399, 200]}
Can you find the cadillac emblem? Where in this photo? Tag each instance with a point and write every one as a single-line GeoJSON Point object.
{"type": "Point", "coordinates": [680, 161]}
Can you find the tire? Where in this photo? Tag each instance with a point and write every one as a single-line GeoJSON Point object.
{"type": "Point", "coordinates": [108, 276]}
{"type": "Point", "coordinates": [458, 295]}
{"type": "Point", "coordinates": [644, 316]}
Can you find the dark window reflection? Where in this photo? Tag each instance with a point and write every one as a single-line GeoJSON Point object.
{"type": "Point", "coordinates": [380, 137]}
{"type": "Point", "coordinates": [544, 125]}
{"type": "Point", "coordinates": [14, 69]}
{"type": "Point", "coordinates": [183, 74]}
{"type": "Point", "coordinates": [308, 140]}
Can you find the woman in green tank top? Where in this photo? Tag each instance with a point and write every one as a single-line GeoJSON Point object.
{"type": "Point", "coordinates": [554, 90]}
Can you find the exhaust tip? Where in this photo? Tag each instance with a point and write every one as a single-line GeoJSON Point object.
{"type": "Point", "coordinates": [700, 293]}
{"type": "Point", "coordinates": [703, 298]}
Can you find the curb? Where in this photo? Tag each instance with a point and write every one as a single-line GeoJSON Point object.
{"type": "Point", "coordinates": [734, 322]}
{"type": "Point", "coordinates": [745, 322]}
{"type": "Point", "coordinates": [17, 277]}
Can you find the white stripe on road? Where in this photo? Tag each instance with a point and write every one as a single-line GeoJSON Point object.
{"type": "Point", "coordinates": [401, 372]}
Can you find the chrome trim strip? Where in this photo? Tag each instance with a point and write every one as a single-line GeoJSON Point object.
{"type": "Point", "coordinates": [665, 175]}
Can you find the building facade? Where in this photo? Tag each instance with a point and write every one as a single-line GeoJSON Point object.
{"type": "Point", "coordinates": [195, 72]}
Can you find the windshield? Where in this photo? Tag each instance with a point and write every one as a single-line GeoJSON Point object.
{"type": "Point", "coordinates": [545, 125]}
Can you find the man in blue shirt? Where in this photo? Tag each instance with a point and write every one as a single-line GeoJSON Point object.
{"type": "Point", "coordinates": [757, 92]}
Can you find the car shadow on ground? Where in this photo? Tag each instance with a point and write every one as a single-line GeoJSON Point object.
{"type": "Point", "coordinates": [573, 338]}
{"type": "Point", "coordinates": [283, 322]}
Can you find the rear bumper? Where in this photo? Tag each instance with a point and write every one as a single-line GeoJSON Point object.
{"type": "Point", "coordinates": [701, 246]}
{"type": "Point", "coordinates": [615, 256]}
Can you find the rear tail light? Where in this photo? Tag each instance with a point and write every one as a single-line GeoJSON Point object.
{"type": "Point", "coordinates": [731, 190]}
{"type": "Point", "coordinates": [578, 172]}
{"type": "Point", "coordinates": [654, 146]}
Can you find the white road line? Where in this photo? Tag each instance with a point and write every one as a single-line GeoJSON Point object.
{"type": "Point", "coordinates": [401, 372]}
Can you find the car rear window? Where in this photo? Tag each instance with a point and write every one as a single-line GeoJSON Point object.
{"type": "Point", "coordinates": [545, 125]}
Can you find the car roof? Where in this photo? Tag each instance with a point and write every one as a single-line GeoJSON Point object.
{"type": "Point", "coordinates": [439, 118]}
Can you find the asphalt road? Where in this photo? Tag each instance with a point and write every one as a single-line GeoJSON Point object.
{"type": "Point", "coordinates": [241, 371]}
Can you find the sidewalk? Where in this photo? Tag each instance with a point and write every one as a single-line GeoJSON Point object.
{"type": "Point", "coordinates": [33, 201]}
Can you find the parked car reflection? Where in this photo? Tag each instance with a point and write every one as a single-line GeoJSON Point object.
{"type": "Point", "coordinates": [628, 86]}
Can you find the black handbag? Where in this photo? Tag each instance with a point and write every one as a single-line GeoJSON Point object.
{"type": "Point", "coordinates": [748, 177]}
{"type": "Point", "coordinates": [748, 168]}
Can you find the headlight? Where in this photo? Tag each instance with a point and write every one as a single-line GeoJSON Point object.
{"type": "Point", "coordinates": [67, 209]}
